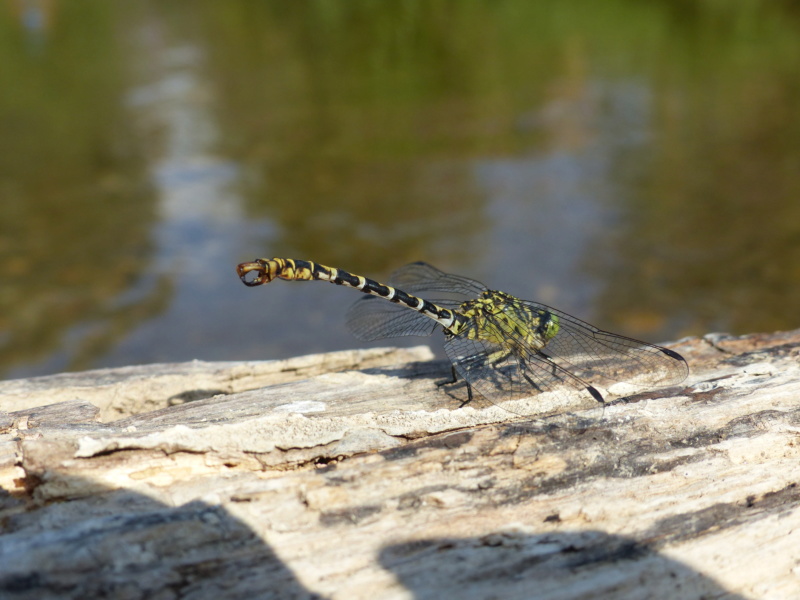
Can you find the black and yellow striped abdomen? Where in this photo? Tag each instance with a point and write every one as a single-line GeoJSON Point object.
{"type": "Point", "coordinates": [267, 269]}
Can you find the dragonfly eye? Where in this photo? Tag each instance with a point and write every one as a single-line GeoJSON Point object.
{"type": "Point", "coordinates": [549, 325]}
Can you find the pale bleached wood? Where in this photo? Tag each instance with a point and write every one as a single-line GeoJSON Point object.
{"type": "Point", "coordinates": [126, 391]}
{"type": "Point", "coordinates": [375, 483]}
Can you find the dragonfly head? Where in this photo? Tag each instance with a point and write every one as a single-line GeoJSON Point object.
{"type": "Point", "coordinates": [549, 325]}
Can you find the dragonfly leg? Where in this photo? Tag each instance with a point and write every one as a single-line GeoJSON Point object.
{"type": "Point", "coordinates": [469, 392]}
{"type": "Point", "coordinates": [548, 360]}
{"type": "Point", "coordinates": [531, 381]}
{"type": "Point", "coordinates": [454, 379]}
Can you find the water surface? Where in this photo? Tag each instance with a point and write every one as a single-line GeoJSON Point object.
{"type": "Point", "coordinates": [636, 164]}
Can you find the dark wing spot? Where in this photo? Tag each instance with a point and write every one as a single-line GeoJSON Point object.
{"type": "Point", "coordinates": [672, 354]}
{"type": "Point", "coordinates": [595, 394]}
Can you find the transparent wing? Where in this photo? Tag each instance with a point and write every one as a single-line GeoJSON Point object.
{"type": "Point", "coordinates": [579, 355]}
{"type": "Point", "coordinates": [420, 278]}
{"type": "Point", "coordinates": [499, 372]}
{"type": "Point", "coordinates": [371, 318]}
{"type": "Point", "coordinates": [592, 354]}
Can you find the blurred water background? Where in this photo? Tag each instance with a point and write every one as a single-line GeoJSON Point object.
{"type": "Point", "coordinates": [634, 163]}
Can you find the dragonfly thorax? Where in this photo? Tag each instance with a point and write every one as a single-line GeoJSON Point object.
{"type": "Point", "coordinates": [500, 318]}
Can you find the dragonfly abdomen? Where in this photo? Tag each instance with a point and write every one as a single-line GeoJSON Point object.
{"type": "Point", "coordinates": [305, 270]}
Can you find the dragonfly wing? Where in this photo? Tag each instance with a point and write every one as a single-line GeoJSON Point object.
{"type": "Point", "coordinates": [421, 278]}
{"type": "Point", "coordinates": [591, 354]}
{"type": "Point", "coordinates": [499, 372]}
{"type": "Point", "coordinates": [371, 318]}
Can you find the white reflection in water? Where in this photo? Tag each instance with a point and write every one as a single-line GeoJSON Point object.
{"type": "Point", "coordinates": [552, 208]}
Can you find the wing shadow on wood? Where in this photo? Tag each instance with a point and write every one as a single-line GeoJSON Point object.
{"type": "Point", "coordinates": [575, 565]}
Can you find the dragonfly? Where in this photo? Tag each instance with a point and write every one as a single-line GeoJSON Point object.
{"type": "Point", "coordinates": [501, 346]}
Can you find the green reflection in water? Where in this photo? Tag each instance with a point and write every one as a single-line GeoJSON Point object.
{"type": "Point", "coordinates": [359, 129]}
{"type": "Point", "coordinates": [712, 236]}
{"type": "Point", "coordinates": [75, 211]}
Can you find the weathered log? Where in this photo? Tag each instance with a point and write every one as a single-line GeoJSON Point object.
{"type": "Point", "coordinates": [355, 475]}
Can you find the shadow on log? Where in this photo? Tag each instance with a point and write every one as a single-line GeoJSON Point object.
{"type": "Point", "coordinates": [125, 545]}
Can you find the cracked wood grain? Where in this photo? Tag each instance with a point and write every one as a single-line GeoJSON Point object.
{"type": "Point", "coordinates": [375, 482]}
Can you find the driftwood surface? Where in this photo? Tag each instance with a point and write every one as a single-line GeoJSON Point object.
{"type": "Point", "coordinates": [353, 475]}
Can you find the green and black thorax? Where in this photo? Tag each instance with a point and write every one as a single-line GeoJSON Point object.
{"type": "Point", "coordinates": [492, 316]}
